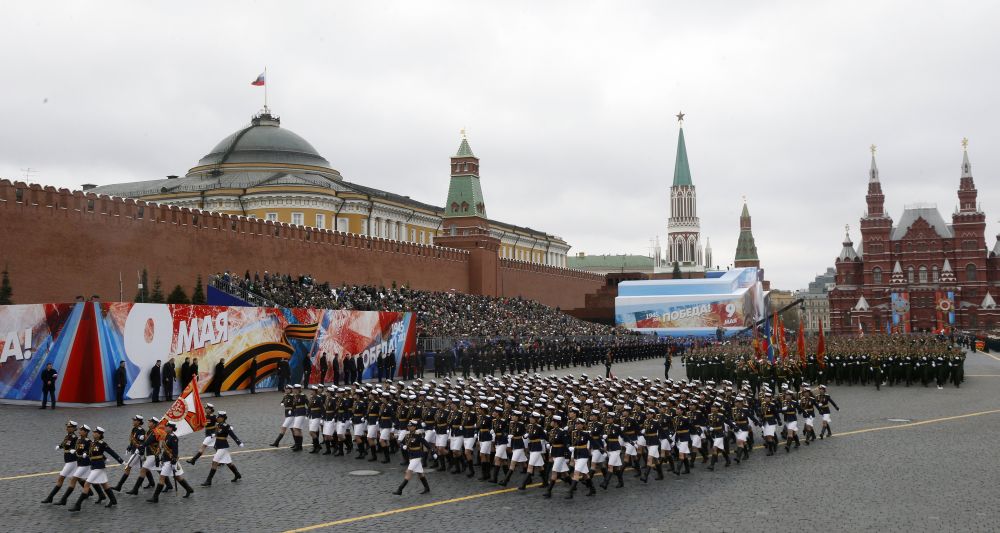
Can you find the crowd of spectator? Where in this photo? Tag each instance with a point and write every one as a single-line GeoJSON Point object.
{"type": "Point", "coordinates": [439, 314]}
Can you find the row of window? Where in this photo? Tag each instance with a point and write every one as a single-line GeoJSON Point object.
{"type": "Point", "coordinates": [876, 248]}
{"type": "Point", "coordinates": [920, 274]}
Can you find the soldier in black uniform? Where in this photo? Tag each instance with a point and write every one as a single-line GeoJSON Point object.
{"type": "Point", "coordinates": [81, 447]}
{"type": "Point", "coordinates": [97, 478]}
{"type": "Point", "coordinates": [717, 422]}
{"type": "Point", "coordinates": [415, 447]}
{"type": "Point", "coordinates": [67, 447]}
{"type": "Point", "coordinates": [169, 454]}
{"type": "Point", "coordinates": [316, 402]}
{"type": "Point", "coordinates": [288, 404]}
{"type": "Point", "coordinates": [823, 403]}
{"type": "Point", "coordinates": [580, 439]}
{"type": "Point", "coordinates": [558, 439]}
{"type": "Point", "coordinates": [151, 457]}
{"type": "Point", "coordinates": [135, 451]}
{"type": "Point", "coordinates": [223, 433]}
{"type": "Point", "coordinates": [209, 440]}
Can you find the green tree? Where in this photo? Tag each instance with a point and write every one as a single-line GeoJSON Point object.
{"type": "Point", "coordinates": [677, 271]}
{"type": "Point", "coordinates": [198, 296]}
{"type": "Point", "coordinates": [5, 291]}
{"type": "Point", "coordinates": [157, 296]}
{"type": "Point", "coordinates": [178, 296]}
{"type": "Point", "coordinates": [143, 294]}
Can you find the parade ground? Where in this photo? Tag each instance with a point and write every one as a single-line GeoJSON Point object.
{"type": "Point", "coordinates": [915, 459]}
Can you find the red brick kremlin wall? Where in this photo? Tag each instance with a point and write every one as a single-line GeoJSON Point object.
{"type": "Point", "coordinates": [57, 244]}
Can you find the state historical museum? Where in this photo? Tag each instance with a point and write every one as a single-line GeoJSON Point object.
{"type": "Point", "coordinates": [920, 274]}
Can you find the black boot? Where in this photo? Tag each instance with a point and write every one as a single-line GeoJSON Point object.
{"type": "Point", "coordinates": [572, 489]}
{"type": "Point", "coordinates": [156, 494]}
{"type": "Point", "coordinates": [524, 484]}
{"type": "Point", "coordinates": [399, 491]}
{"type": "Point", "coordinates": [711, 467]}
{"type": "Point", "coordinates": [374, 450]}
{"type": "Point", "coordinates": [328, 445]}
{"type": "Point", "coordinates": [796, 439]}
{"type": "Point", "coordinates": [187, 488]}
{"type": "Point", "coordinates": [590, 485]}
{"type": "Point", "coordinates": [100, 493]}
{"type": "Point", "coordinates": [548, 490]}
{"type": "Point", "coordinates": [65, 497]}
{"type": "Point", "coordinates": [112, 501]}
{"type": "Point", "coordinates": [725, 455]}
{"type": "Point", "coordinates": [236, 473]}
{"type": "Point", "coordinates": [149, 480]}
{"type": "Point", "coordinates": [121, 483]}
{"type": "Point", "coordinates": [194, 459]}
{"type": "Point", "coordinates": [76, 506]}
{"type": "Point", "coordinates": [485, 466]}
{"type": "Point", "coordinates": [659, 471]}
{"type": "Point", "coordinates": [472, 469]}
{"type": "Point", "coordinates": [135, 488]}
{"type": "Point", "coordinates": [208, 481]}
{"type": "Point", "coordinates": [687, 466]}
{"type": "Point", "coordinates": [385, 454]}
{"type": "Point", "coordinates": [506, 478]}
{"type": "Point", "coordinates": [277, 441]}
{"type": "Point", "coordinates": [427, 487]}
{"type": "Point", "coordinates": [55, 490]}
{"type": "Point", "coordinates": [621, 478]}
{"type": "Point", "coordinates": [644, 475]}
{"type": "Point", "coordinates": [315, 448]}
{"type": "Point", "coordinates": [167, 485]}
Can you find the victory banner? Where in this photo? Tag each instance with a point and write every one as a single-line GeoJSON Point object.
{"type": "Point", "coordinates": [944, 309]}
{"type": "Point", "coordinates": [86, 343]}
{"type": "Point", "coordinates": [901, 311]}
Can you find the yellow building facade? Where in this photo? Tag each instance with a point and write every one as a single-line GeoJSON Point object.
{"type": "Point", "coordinates": [268, 172]}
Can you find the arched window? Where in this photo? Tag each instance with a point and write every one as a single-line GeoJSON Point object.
{"type": "Point", "coordinates": [909, 274]}
{"type": "Point", "coordinates": [935, 275]}
{"type": "Point", "coordinates": [877, 275]}
{"type": "Point", "coordinates": [454, 206]}
{"type": "Point", "coordinates": [970, 272]}
{"type": "Point", "coordinates": [923, 274]}
{"type": "Point", "coordinates": [465, 206]}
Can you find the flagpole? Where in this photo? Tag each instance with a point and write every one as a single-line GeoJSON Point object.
{"type": "Point", "coordinates": [265, 90]}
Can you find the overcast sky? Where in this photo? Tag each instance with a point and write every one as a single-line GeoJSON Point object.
{"type": "Point", "coordinates": [570, 105]}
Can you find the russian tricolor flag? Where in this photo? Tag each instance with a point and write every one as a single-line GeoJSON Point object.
{"type": "Point", "coordinates": [260, 81]}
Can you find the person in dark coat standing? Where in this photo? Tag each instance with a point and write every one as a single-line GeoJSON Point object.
{"type": "Point", "coordinates": [323, 368]}
{"type": "Point", "coordinates": [169, 375]}
{"type": "Point", "coordinates": [49, 376]}
{"type": "Point", "coordinates": [335, 364]}
{"type": "Point", "coordinates": [359, 368]}
{"type": "Point", "coordinates": [349, 372]}
{"type": "Point", "coordinates": [253, 376]}
{"type": "Point", "coordinates": [186, 372]}
{"type": "Point", "coordinates": [194, 371]}
{"type": "Point", "coordinates": [121, 380]}
{"type": "Point", "coordinates": [154, 381]}
{"type": "Point", "coordinates": [280, 370]}
{"type": "Point", "coordinates": [307, 368]}
{"type": "Point", "coordinates": [220, 371]}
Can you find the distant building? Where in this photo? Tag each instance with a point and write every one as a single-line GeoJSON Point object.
{"type": "Point", "coordinates": [746, 248]}
{"type": "Point", "coordinates": [815, 304]}
{"type": "Point", "coordinates": [611, 263]}
{"type": "Point", "coordinates": [683, 227]}
{"type": "Point", "coordinates": [920, 273]}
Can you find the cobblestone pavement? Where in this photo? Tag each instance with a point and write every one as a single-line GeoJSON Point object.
{"type": "Point", "coordinates": [902, 458]}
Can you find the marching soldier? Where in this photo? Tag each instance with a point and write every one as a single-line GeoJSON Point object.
{"type": "Point", "coordinates": [170, 467]}
{"type": "Point", "coordinates": [134, 451]}
{"type": "Point", "coordinates": [288, 403]}
{"type": "Point", "coordinates": [223, 433]}
{"type": "Point", "coordinates": [209, 440]}
{"type": "Point", "coordinates": [97, 478]}
{"type": "Point", "coordinates": [823, 403]}
{"type": "Point", "coordinates": [81, 447]}
{"type": "Point", "coordinates": [415, 446]}
{"type": "Point", "coordinates": [68, 447]}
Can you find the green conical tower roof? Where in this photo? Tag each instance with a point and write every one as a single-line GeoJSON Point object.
{"type": "Point", "coordinates": [682, 172]}
{"type": "Point", "coordinates": [746, 249]}
{"type": "Point", "coordinates": [464, 150]}
{"type": "Point", "coordinates": [465, 193]}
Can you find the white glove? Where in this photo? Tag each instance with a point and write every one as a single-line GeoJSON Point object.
{"type": "Point", "coordinates": [241, 445]}
{"type": "Point", "coordinates": [84, 456]}
{"type": "Point", "coordinates": [58, 447]}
